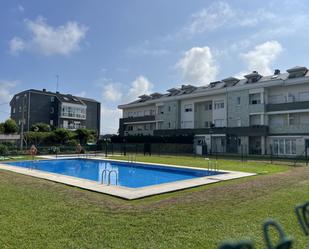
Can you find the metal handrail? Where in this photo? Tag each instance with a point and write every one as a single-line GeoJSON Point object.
{"type": "Point", "coordinates": [102, 175]}
{"type": "Point", "coordinates": [108, 173]}
{"type": "Point", "coordinates": [109, 176]}
{"type": "Point", "coordinates": [131, 158]}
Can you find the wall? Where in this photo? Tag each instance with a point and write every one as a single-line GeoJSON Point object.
{"type": "Point", "coordinates": [219, 113]}
{"type": "Point", "coordinates": [202, 115]}
{"type": "Point", "coordinates": [169, 115]}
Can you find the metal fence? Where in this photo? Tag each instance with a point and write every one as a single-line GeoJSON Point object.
{"type": "Point", "coordinates": [159, 149]}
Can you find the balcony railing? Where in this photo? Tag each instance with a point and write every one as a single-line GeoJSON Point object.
{"type": "Point", "coordinates": [287, 106]}
{"type": "Point", "coordinates": [72, 126]}
{"type": "Point", "coordinates": [138, 119]}
{"type": "Point", "coordinates": [73, 115]}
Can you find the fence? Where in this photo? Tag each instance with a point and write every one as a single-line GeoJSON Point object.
{"type": "Point", "coordinates": [158, 149]}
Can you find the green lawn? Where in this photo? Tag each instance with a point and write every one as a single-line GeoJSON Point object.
{"type": "Point", "coordinates": [36, 213]}
{"type": "Point", "coordinates": [237, 165]}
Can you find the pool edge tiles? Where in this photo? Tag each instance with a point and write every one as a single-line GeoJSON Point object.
{"type": "Point", "coordinates": [125, 192]}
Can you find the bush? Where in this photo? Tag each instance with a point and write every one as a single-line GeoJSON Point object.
{"type": "Point", "coordinates": [3, 150]}
{"type": "Point", "coordinates": [40, 127]}
{"type": "Point", "coordinates": [71, 143]}
{"type": "Point", "coordinates": [2, 128]}
{"type": "Point", "coordinates": [10, 126]}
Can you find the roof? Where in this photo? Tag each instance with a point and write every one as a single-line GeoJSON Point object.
{"type": "Point", "coordinates": [65, 98]}
{"type": "Point", "coordinates": [227, 83]}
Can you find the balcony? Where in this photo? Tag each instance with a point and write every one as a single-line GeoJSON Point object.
{"type": "Point", "coordinates": [287, 106]}
{"type": "Point", "coordinates": [138, 119]}
{"type": "Point", "coordinates": [258, 130]}
{"type": "Point", "coordinates": [72, 126]}
{"type": "Point", "coordinates": [73, 115]}
{"type": "Point", "coordinates": [289, 129]}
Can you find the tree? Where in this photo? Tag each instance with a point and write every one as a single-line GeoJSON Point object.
{"type": "Point", "coordinates": [40, 127]}
{"type": "Point", "coordinates": [83, 135]}
{"type": "Point", "coordinates": [62, 135]}
{"type": "Point", "coordinates": [10, 126]}
{"type": "Point", "coordinates": [1, 128]}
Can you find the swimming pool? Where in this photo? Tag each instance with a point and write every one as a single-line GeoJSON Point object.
{"type": "Point", "coordinates": [131, 175]}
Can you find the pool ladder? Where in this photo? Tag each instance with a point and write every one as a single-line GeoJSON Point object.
{"type": "Point", "coordinates": [212, 165]}
{"type": "Point", "coordinates": [131, 158]}
{"type": "Point", "coordinates": [109, 173]}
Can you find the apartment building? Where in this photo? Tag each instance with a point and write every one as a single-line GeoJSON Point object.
{"type": "Point", "coordinates": [56, 109]}
{"type": "Point", "coordinates": [256, 115]}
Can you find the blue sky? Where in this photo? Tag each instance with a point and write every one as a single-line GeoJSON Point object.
{"type": "Point", "coordinates": [114, 51]}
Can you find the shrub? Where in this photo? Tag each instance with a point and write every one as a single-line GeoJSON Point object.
{"type": "Point", "coordinates": [40, 127]}
{"type": "Point", "coordinates": [3, 150]}
{"type": "Point", "coordinates": [2, 128]}
{"type": "Point", "coordinates": [71, 142]}
{"type": "Point", "coordinates": [10, 126]}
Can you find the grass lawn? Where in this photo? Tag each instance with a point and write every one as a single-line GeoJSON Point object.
{"type": "Point", "coordinates": [237, 165]}
{"type": "Point", "coordinates": [35, 213]}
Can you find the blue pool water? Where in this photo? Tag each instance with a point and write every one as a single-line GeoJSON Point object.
{"type": "Point", "coordinates": [129, 175]}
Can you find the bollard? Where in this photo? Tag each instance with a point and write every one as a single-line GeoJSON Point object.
{"type": "Point", "coordinates": [284, 241]}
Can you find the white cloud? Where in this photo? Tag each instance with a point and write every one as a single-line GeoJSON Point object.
{"type": "Point", "coordinates": [5, 96]}
{"type": "Point", "coordinates": [114, 93]}
{"type": "Point", "coordinates": [49, 40]}
{"type": "Point", "coordinates": [198, 66]}
{"type": "Point", "coordinates": [221, 14]}
{"type": "Point", "coordinates": [109, 119]}
{"type": "Point", "coordinates": [262, 57]}
{"type": "Point", "coordinates": [141, 85]}
{"type": "Point", "coordinates": [211, 18]}
{"type": "Point", "coordinates": [21, 8]}
{"type": "Point", "coordinates": [16, 45]}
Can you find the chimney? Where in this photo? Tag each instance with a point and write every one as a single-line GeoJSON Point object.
{"type": "Point", "coordinates": [44, 90]}
{"type": "Point", "coordinates": [277, 72]}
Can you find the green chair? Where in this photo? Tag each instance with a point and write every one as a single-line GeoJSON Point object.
{"type": "Point", "coordinates": [237, 245]}
{"type": "Point", "coordinates": [302, 213]}
{"type": "Point", "coordinates": [284, 242]}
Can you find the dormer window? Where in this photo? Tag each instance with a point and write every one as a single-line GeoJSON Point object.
{"type": "Point", "coordinates": [253, 77]}
{"type": "Point", "coordinates": [297, 72]}
{"type": "Point", "coordinates": [230, 81]}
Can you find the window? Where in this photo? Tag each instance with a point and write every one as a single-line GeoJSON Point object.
{"type": "Point", "coordinates": [255, 99]}
{"type": "Point", "coordinates": [160, 110]}
{"type": "Point", "coordinates": [284, 146]}
{"type": "Point", "coordinates": [130, 128]}
{"type": "Point", "coordinates": [51, 122]}
{"type": "Point", "coordinates": [219, 104]}
{"type": "Point", "coordinates": [52, 99]}
{"type": "Point", "coordinates": [292, 119]}
{"type": "Point", "coordinates": [169, 108]}
{"type": "Point", "coordinates": [219, 122]}
{"type": "Point", "coordinates": [73, 111]}
{"type": "Point", "coordinates": [238, 100]}
{"type": "Point", "coordinates": [19, 109]}
{"type": "Point", "coordinates": [207, 124]}
{"type": "Point", "coordinates": [188, 108]}
{"type": "Point", "coordinates": [169, 125]}
{"type": "Point", "coordinates": [52, 110]}
{"type": "Point", "coordinates": [17, 97]}
{"type": "Point", "coordinates": [238, 122]}
{"type": "Point", "coordinates": [208, 107]}
{"type": "Point", "coordinates": [14, 110]}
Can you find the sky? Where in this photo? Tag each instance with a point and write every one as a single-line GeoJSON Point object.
{"type": "Point", "coordinates": [115, 51]}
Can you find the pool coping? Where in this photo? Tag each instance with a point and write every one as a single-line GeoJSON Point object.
{"type": "Point", "coordinates": [125, 192]}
